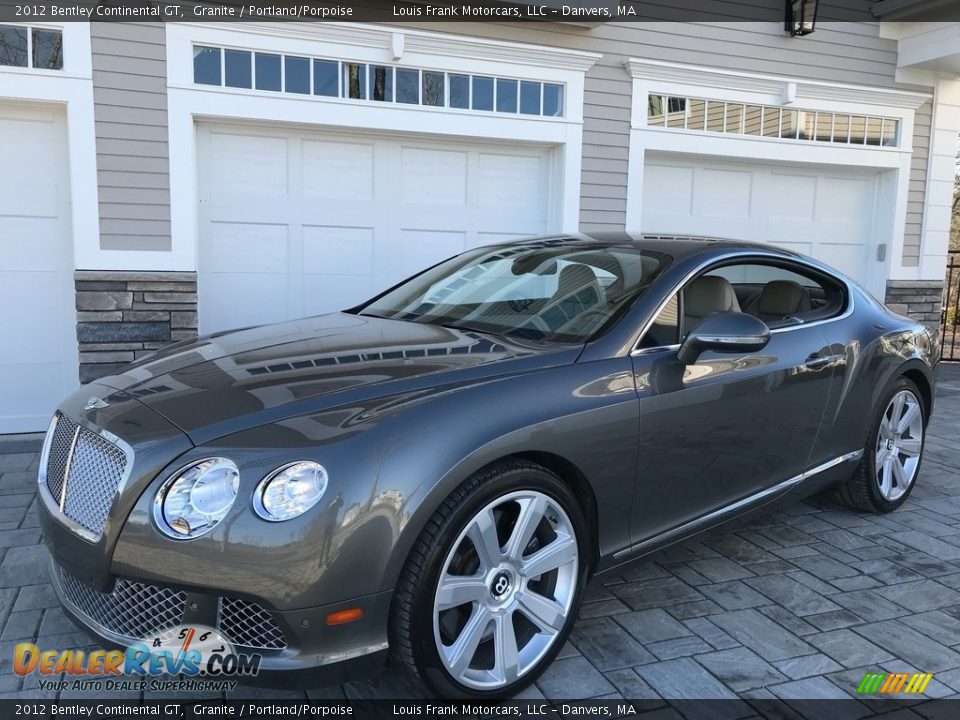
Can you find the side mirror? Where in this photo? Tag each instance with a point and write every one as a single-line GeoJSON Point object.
{"type": "Point", "coordinates": [725, 332]}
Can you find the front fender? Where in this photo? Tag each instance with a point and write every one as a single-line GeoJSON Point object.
{"type": "Point", "coordinates": [585, 415]}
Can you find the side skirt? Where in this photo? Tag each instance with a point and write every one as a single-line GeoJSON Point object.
{"type": "Point", "coordinates": [724, 514]}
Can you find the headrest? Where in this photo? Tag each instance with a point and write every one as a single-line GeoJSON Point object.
{"type": "Point", "coordinates": [708, 295]}
{"type": "Point", "coordinates": [782, 298]}
{"type": "Point", "coordinates": [573, 277]}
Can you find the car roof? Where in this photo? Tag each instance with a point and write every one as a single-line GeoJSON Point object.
{"type": "Point", "coordinates": [677, 246]}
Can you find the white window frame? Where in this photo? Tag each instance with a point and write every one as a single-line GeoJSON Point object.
{"type": "Point", "coordinates": [72, 90]}
{"type": "Point", "coordinates": [674, 79]}
{"type": "Point", "coordinates": [188, 102]}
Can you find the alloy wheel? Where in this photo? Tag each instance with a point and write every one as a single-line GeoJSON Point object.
{"type": "Point", "coordinates": [506, 590]}
{"type": "Point", "coordinates": [899, 444]}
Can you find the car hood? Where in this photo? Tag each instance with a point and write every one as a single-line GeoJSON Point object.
{"type": "Point", "coordinates": [225, 383]}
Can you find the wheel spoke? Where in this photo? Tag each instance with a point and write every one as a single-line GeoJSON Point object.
{"type": "Point", "coordinates": [898, 472]}
{"type": "Point", "coordinates": [897, 410]}
{"type": "Point", "coordinates": [506, 654]}
{"type": "Point", "coordinates": [460, 654]}
{"type": "Point", "coordinates": [911, 446]}
{"type": "Point", "coordinates": [483, 535]}
{"type": "Point", "coordinates": [912, 411]}
{"type": "Point", "coordinates": [547, 614]}
{"type": "Point", "coordinates": [562, 550]}
{"type": "Point", "coordinates": [456, 590]}
{"type": "Point", "coordinates": [531, 513]}
{"type": "Point", "coordinates": [881, 456]}
{"type": "Point", "coordinates": [886, 476]}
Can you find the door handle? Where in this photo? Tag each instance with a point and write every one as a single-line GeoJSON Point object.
{"type": "Point", "coordinates": [816, 360]}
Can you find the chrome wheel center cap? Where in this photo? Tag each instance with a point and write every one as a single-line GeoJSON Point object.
{"type": "Point", "coordinates": [502, 585]}
{"type": "Point", "coordinates": [891, 445]}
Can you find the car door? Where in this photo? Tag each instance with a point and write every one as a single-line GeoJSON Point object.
{"type": "Point", "coordinates": [729, 426]}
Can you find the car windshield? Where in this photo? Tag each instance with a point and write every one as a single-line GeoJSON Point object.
{"type": "Point", "coordinates": [551, 291]}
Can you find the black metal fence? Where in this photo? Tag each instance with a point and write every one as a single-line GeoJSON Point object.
{"type": "Point", "coordinates": [950, 317]}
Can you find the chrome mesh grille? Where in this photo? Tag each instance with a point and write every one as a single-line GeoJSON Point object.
{"type": "Point", "coordinates": [95, 470]}
{"type": "Point", "coordinates": [134, 610]}
{"type": "Point", "coordinates": [57, 459]}
{"type": "Point", "coordinates": [246, 623]}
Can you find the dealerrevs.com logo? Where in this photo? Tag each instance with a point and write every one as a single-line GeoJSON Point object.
{"type": "Point", "coordinates": [200, 657]}
{"type": "Point", "coordinates": [894, 683]}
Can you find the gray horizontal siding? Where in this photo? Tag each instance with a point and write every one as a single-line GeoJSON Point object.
{"type": "Point", "coordinates": [918, 182]}
{"type": "Point", "coordinates": [129, 89]}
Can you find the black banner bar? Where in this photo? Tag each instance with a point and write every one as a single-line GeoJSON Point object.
{"type": "Point", "coordinates": [590, 12]}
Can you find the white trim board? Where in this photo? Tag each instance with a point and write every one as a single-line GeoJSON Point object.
{"type": "Point", "coordinates": [187, 102]}
{"type": "Point", "coordinates": [771, 89]}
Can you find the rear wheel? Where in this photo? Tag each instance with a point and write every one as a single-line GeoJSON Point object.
{"type": "Point", "coordinates": [891, 458]}
{"type": "Point", "coordinates": [492, 589]}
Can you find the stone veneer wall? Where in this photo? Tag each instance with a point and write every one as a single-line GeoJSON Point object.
{"type": "Point", "coordinates": [122, 316]}
{"type": "Point", "coordinates": [921, 300]}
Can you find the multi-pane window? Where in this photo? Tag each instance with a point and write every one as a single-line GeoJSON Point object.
{"type": "Point", "coordinates": [225, 67]}
{"type": "Point", "coordinates": [721, 116]}
{"type": "Point", "coordinates": [31, 47]}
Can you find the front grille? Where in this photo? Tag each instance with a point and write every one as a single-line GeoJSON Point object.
{"type": "Point", "coordinates": [248, 624]}
{"type": "Point", "coordinates": [91, 473]}
{"type": "Point", "coordinates": [133, 610]}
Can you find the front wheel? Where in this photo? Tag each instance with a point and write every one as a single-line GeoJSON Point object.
{"type": "Point", "coordinates": [493, 586]}
{"type": "Point", "coordinates": [891, 458]}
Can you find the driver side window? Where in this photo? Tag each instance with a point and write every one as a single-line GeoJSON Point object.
{"type": "Point", "coordinates": [778, 293]}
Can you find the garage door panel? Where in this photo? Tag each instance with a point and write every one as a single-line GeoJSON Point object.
{"type": "Point", "coordinates": [29, 244]}
{"type": "Point", "coordinates": [247, 164]}
{"type": "Point", "coordinates": [338, 171]}
{"type": "Point", "coordinates": [417, 249]}
{"type": "Point", "coordinates": [843, 199]}
{"type": "Point", "coordinates": [246, 248]}
{"type": "Point", "coordinates": [29, 199]}
{"type": "Point", "coordinates": [29, 403]}
{"type": "Point", "coordinates": [846, 258]}
{"type": "Point", "coordinates": [40, 368]}
{"type": "Point", "coordinates": [434, 177]}
{"type": "Point", "coordinates": [669, 191]}
{"type": "Point", "coordinates": [792, 197]}
{"type": "Point", "coordinates": [258, 298]}
{"type": "Point", "coordinates": [321, 292]}
{"type": "Point", "coordinates": [337, 250]}
{"type": "Point", "coordinates": [722, 194]}
{"type": "Point", "coordinates": [348, 214]}
{"type": "Point", "coordinates": [511, 182]}
{"type": "Point", "coordinates": [826, 212]}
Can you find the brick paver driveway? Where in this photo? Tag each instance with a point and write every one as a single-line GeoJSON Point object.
{"type": "Point", "coordinates": [799, 604]}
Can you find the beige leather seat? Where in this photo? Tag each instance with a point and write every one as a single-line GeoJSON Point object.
{"type": "Point", "coordinates": [778, 300]}
{"type": "Point", "coordinates": [706, 296]}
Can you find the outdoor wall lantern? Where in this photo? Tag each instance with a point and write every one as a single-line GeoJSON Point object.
{"type": "Point", "coordinates": [801, 16]}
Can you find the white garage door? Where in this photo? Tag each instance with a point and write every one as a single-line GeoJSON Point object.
{"type": "Point", "coordinates": [827, 213]}
{"type": "Point", "coordinates": [38, 351]}
{"type": "Point", "coordinates": [298, 223]}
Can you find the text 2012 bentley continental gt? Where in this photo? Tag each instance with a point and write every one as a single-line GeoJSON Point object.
{"type": "Point", "coordinates": [436, 473]}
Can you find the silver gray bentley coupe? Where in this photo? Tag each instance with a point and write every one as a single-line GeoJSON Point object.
{"type": "Point", "coordinates": [434, 475]}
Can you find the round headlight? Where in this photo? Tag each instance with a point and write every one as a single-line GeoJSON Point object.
{"type": "Point", "coordinates": [192, 502]}
{"type": "Point", "coordinates": [290, 491]}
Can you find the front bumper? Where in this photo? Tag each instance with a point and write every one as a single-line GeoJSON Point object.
{"type": "Point", "coordinates": [309, 654]}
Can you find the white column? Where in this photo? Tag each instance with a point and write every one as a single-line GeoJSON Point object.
{"type": "Point", "coordinates": [940, 174]}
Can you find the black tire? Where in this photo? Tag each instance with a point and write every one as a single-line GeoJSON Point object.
{"type": "Point", "coordinates": [862, 490]}
{"type": "Point", "coordinates": [412, 640]}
